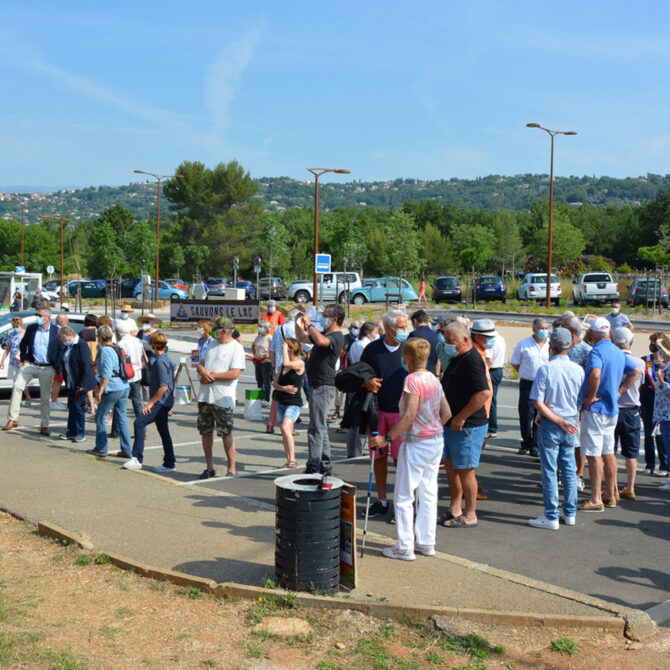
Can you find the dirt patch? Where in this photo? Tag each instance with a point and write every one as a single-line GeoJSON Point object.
{"type": "Point", "coordinates": [65, 609]}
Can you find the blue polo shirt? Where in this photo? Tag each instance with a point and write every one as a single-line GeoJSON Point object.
{"type": "Point", "coordinates": [613, 365]}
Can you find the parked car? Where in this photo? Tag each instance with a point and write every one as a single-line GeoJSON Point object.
{"type": "Point", "coordinates": [642, 291]}
{"type": "Point", "coordinates": [53, 286]}
{"type": "Point", "coordinates": [249, 289]}
{"type": "Point", "coordinates": [278, 288]}
{"type": "Point", "coordinates": [490, 287]}
{"type": "Point", "coordinates": [534, 287]}
{"type": "Point", "coordinates": [333, 286]}
{"type": "Point", "coordinates": [75, 321]}
{"type": "Point", "coordinates": [397, 290]}
{"type": "Point", "coordinates": [90, 288]}
{"type": "Point", "coordinates": [216, 286]}
{"type": "Point", "coordinates": [165, 291]}
{"type": "Point", "coordinates": [178, 283]}
{"type": "Point", "coordinates": [447, 288]}
{"type": "Point", "coordinates": [597, 287]}
{"type": "Point", "coordinates": [122, 289]}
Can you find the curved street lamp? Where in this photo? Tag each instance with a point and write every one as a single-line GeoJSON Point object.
{"type": "Point", "coordinates": [158, 178]}
{"type": "Point", "coordinates": [317, 172]}
{"type": "Point", "coordinates": [552, 134]}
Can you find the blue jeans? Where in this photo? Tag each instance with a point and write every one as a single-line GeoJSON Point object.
{"type": "Point", "coordinates": [76, 416]}
{"type": "Point", "coordinates": [652, 444]}
{"type": "Point", "coordinates": [135, 397]}
{"type": "Point", "coordinates": [116, 400]}
{"type": "Point", "coordinates": [158, 414]}
{"type": "Point", "coordinates": [496, 378]}
{"type": "Point", "coordinates": [557, 446]}
{"type": "Point", "coordinates": [665, 434]}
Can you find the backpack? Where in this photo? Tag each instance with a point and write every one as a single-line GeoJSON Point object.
{"type": "Point", "coordinates": [126, 370]}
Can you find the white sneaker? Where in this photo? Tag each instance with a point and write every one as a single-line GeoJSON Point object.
{"type": "Point", "coordinates": [665, 487]}
{"type": "Point", "coordinates": [568, 520]}
{"type": "Point", "coordinates": [58, 405]}
{"type": "Point", "coordinates": [543, 522]}
{"type": "Point", "coordinates": [162, 468]}
{"type": "Point", "coordinates": [132, 464]}
{"type": "Point", "coordinates": [580, 483]}
{"type": "Point", "coordinates": [661, 473]}
{"type": "Point", "coordinates": [394, 552]}
{"type": "Point", "coordinates": [425, 549]}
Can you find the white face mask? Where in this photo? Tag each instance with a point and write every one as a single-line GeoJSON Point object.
{"type": "Point", "coordinates": [146, 326]}
{"type": "Point", "coordinates": [615, 310]}
{"type": "Point", "coordinates": [201, 331]}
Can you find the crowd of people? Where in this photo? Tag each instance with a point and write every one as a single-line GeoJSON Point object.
{"type": "Point", "coordinates": [422, 392]}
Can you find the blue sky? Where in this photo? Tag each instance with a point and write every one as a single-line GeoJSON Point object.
{"type": "Point", "coordinates": [429, 90]}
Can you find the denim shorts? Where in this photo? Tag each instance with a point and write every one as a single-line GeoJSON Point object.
{"type": "Point", "coordinates": [291, 412]}
{"type": "Point", "coordinates": [464, 447]}
{"type": "Point", "coordinates": [628, 431]}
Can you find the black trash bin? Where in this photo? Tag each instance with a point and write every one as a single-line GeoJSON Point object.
{"type": "Point", "coordinates": [307, 530]}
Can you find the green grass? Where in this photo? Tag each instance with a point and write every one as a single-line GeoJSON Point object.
{"type": "Point", "coordinates": [84, 560]}
{"type": "Point", "coordinates": [64, 659]}
{"type": "Point", "coordinates": [103, 559]}
{"type": "Point", "coordinates": [565, 645]}
{"type": "Point", "coordinates": [124, 612]}
{"type": "Point", "coordinates": [192, 592]}
{"type": "Point", "coordinates": [374, 651]}
{"type": "Point", "coordinates": [433, 658]}
{"type": "Point", "coordinates": [471, 645]}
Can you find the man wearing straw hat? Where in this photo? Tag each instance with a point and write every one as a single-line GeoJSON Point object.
{"type": "Point", "coordinates": [126, 310]}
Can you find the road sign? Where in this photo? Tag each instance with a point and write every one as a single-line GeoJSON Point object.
{"type": "Point", "coordinates": [322, 263]}
{"type": "Point", "coordinates": [20, 268]}
{"type": "Point", "coordinates": [50, 269]}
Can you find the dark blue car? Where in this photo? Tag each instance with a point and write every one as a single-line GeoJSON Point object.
{"type": "Point", "coordinates": [249, 289]}
{"type": "Point", "coordinates": [490, 287]}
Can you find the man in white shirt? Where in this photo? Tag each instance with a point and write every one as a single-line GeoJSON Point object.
{"type": "Point", "coordinates": [495, 359]}
{"type": "Point", "coordinates": [132, 345]}
{"type": "Point", "coordinates": [618, 319]}
{"type": "Point", "coordinates": [526, 359]}
{"type": "Point", "coordinates": [218, 392]}
{"type": "Point", "coordinates": [126, 310]}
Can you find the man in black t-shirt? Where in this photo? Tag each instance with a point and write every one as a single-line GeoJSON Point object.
{"type": "Point", "coordinates": [321, 377]}
{"type": "Point", "coordinates": [467, 390]}
{"type": "Point", "coordinates": [424, 331]}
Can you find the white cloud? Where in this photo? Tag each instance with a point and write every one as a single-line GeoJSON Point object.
{"type": "Point", "coordinates": [223, 77]}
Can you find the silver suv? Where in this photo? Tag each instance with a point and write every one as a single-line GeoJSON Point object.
{"type": "Point", "coordinates": [335, 286]}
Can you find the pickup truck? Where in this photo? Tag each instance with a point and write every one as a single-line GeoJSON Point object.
{"type": "Point", "coordinates": [595, 287]}
{"type": "Point", "coordinates": [397, 290]}
{"type": "Point", "coordinates": [334, 287]}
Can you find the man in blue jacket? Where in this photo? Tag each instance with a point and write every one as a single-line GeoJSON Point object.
{"type": "Point", "coordinates": [41, 353]}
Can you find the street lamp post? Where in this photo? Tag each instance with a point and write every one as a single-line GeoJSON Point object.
{"type": "Point", "coordinates": [552, 134]}
{"type": "Point", "coordinates": [158, 178]}
{"type": "Point", "coordinates": [61, 220]}
{"type": "Point", "coordinates": [317, 172]}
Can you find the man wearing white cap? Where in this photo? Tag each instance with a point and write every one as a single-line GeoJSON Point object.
{"type": "Point", "coordinates": [628, 424]}
{"type": "Point", "coordinates": [600, 394]}
{"type": "Point", "coordinates": [555, 393]}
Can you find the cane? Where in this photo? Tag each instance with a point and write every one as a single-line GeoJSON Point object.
{"type": "Point", "coordinates": [367, 502]}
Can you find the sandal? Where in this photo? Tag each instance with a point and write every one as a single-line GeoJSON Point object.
{"type": "Point", "coordinates": [458, 522]}
{"type": "Point", "coordinates": [445, 516]}
{"type": "Point", "coordinates": [269, 429]}
{"type": "Point", "coordinates": [290, 464]}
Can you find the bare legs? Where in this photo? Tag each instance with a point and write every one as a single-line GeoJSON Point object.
{"type": "Point", "coordinates": [228, 445]}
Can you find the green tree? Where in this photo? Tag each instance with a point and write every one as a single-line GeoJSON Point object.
{"type": "Point", "coordinates": [106, 258]}
{"type": "Point", "coordinates": [567, 242]}
{"type": "Point", "coordinates": [276, 250]}
{"type": "Point", "coordinates": [507, 251]}
{"type": "Point", "coordinates": [474, 244]}
{"type": "Point", "coordinates": [437, 251]}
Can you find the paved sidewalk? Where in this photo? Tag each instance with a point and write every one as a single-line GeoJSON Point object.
{"type": "Point", "coordinates": [229, 537]}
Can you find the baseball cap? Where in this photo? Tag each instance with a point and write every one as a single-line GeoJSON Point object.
{"type": "Point", "coordinates": [622, 335]}
{"type": "Point", "coordinates": [222, 322]}
{"type": "Point", "coordinates": [483, 327]}
{"type": "Point", "coordinates": [437, 320]}
{"type": "Point", "coordinates": [560, 339]}
{"type": "Point", "coordinates": [600, 325]}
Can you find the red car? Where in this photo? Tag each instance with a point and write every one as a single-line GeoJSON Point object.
{"type": "Point", "coordinates": [177, 283]}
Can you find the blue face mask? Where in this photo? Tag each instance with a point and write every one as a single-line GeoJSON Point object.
{"type": "Point", "coordinates": [450, 350]}
{"type": "Point", "coordinates": [401, 336]}
{"type": "Point", "coordinates": [67, 343]}
{"type": "Point", "coordinates": [490, 342]}
{"type": "Point", "coordinates": [124, 315]}
{"type": "Point", "coordinates": [543, 333]}
{"type": "Point", "coordinates": [440, 338]}
{"type": "Point", "coordinates": [404, 366]}
{"type": "Point", "coordinates": [40, 321]}
{"type": "Point", "coordinates": [324, 322]}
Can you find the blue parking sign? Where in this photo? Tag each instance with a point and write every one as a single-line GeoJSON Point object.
{"type": "Point", "coordinates": [322, 263]}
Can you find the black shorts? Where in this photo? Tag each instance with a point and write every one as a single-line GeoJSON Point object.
{"type": "Point", "coordinates": [627, 431]}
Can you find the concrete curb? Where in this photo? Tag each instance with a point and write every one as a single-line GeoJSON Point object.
{"type": "Point", "coordinates": [614, 622]}
{"type": "Point", "coordinates": [638, 624]}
